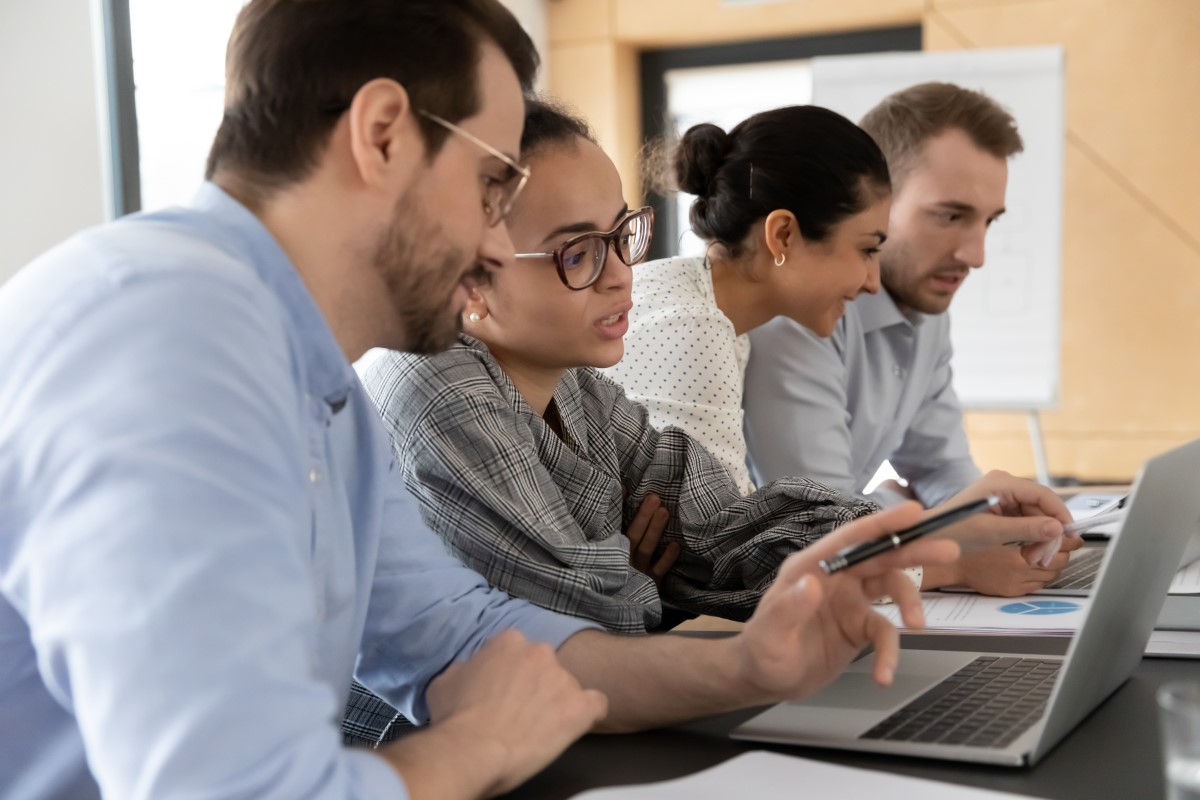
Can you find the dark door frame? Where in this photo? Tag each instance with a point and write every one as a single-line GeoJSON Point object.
{"type": "Point", "coordinates": [124, 153]}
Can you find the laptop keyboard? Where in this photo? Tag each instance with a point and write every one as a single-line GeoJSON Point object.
{"type": "Point", "coordinates": [1081, 570]}
{"type": "Point", "coordinates": [987, 703]}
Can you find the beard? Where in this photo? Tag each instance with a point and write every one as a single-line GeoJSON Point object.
{"type": "Point", "coordinates": [899, 275]}
{"type": "Point", "coordinates": [421, 271]}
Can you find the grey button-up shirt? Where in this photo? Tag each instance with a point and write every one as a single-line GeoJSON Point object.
{"type": "Point", "coordinates": [834, 409]}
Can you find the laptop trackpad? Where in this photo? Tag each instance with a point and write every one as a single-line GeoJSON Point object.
{"type": "Point", "coordinates": [858, 691]}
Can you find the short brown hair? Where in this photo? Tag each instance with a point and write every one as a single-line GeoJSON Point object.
{"type": "Point", "coordinates": [293, 66]}
{"type": "Point", "coordinates": [903, 121]}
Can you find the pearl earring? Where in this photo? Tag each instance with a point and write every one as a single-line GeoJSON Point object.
{"type": "Point", "coordinates": [474, 316]}
{"type": "Point", "coordinates": [780, 259]}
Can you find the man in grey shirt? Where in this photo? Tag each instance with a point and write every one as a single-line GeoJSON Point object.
{"type": "Point", "coordinates": [881, 387]}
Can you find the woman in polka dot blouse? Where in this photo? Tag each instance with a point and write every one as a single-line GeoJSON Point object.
{"type": "Point", "coordinates": [793, 205]}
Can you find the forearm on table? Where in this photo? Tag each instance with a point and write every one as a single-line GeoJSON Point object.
{"type": "Point", "coordinates": [652, 681]}
{"type": "Point", "coordinates": [936, 576]}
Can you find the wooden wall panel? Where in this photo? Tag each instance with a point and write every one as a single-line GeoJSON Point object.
{"type": "Point", "coordinates": [1133, 81]}
{"type": "Point", "coordinates": [599, 79]}
{"type": "Point", "coordinates": [1131, 235]}
{"type": "Point", "coordinates": [576, 20]}
{"type": "Point", "coordinates": [673, 23]}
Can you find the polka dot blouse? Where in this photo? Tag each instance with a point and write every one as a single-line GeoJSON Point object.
{"type": "Point", "coordinates": [683, 360]}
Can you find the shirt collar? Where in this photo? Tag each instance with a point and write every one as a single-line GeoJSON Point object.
{"type": "Point", "coordinates": [566, 398]}
{"type": "Point", "coordinates": [330, 376]}
{"type": "Point", "coordinates": [879, 311]}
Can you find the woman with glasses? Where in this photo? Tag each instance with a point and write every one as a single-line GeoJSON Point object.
{"type": "Point", "coordinates": [537, 470]}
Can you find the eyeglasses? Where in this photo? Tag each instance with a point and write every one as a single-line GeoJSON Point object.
{"type": "Point", "coordinates": [498, 195]}
{"type": "Point", "coordinates": [580, 259]}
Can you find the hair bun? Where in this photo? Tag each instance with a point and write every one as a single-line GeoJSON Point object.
{"type": "Point", "coordinates": [700, 155]}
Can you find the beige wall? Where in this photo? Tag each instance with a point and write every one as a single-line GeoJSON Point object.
{"type": "Point", "coordinates": [1130, 372]}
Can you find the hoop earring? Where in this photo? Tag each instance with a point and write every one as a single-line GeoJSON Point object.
{"type": "Point", "coordinates": [474, 317]}
{"type": "Point", "coordinates": [779, 261]}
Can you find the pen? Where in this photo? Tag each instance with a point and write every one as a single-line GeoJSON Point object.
{"type": "Point", "coordinates": [1087, 523]}
{"type": "Point", "coordinates": [856, 554]}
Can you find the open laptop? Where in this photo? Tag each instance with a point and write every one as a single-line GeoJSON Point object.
{"type": "Point", "coordinates": [1080, 574]}
{"type": "Point", "coordinates": [1001, 708]}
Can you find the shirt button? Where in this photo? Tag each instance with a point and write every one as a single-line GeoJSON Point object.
{"type": "Point", "coordinates": [314, 475]}
{"type": "Point", "coordinates": [898, 371]}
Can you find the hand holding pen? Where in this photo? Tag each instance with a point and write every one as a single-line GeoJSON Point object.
{"type": "Point", "coordinates": [859, 553]}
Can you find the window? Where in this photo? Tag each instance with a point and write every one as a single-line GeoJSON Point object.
{"type": "Point", "coordinates": [166, 83]}
{"type": "Point", "coordinates": [725, 96]}
{"type": "Point", "coordinates": [166, 75]}
{"type": "Point", "coordinates": [178, 53]}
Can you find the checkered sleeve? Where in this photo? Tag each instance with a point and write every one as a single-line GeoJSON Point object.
{"type": "Point", "coordinates": [732, 545]}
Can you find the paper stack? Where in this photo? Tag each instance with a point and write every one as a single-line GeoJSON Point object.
{"type": "Point", "coordinates": [973, 613]}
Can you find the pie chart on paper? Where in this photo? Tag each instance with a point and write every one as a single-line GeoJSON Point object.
{"type": "Point", "coordinates": [1040, 607]}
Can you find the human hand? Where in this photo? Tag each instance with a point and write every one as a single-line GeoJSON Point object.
{"type": "Point", "coordinates": [999, 571]}
{"type": "Point", "coordinates": [1028, 513]}
{"type": "Point", "coordinates": [645, 531]}
{"type": "Point", "coordinates": [809, 625]}
{"type": "Point", "coordinates": [505, 713]}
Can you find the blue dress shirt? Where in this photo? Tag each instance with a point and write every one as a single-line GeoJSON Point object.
{"type": "Point", "coordinates": [834, 409]}
{"type": "Point", "coordinates": [202, 535]}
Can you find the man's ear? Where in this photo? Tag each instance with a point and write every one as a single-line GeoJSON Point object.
{"type": "Point", "coordinates": [781, 233]}
{"type": "Point", "coordinates": [385, 138]}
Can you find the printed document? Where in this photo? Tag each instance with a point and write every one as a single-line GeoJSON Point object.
{"type": "Point", "coordinates": [1036, 615]}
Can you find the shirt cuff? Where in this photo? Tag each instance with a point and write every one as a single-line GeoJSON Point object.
{"type": "Point", "coordinates": [537, 625]}
{"type": "Point", "coordinates": [916, 575]}
{"type": "Point", "coordinates": [554, 629]}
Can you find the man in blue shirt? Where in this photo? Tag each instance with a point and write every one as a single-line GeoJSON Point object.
{"type": "Point", "coordinates": [203, 537]}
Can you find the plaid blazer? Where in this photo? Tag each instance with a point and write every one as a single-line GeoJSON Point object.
{"type": "Point", "coordinates": [544, 517]}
